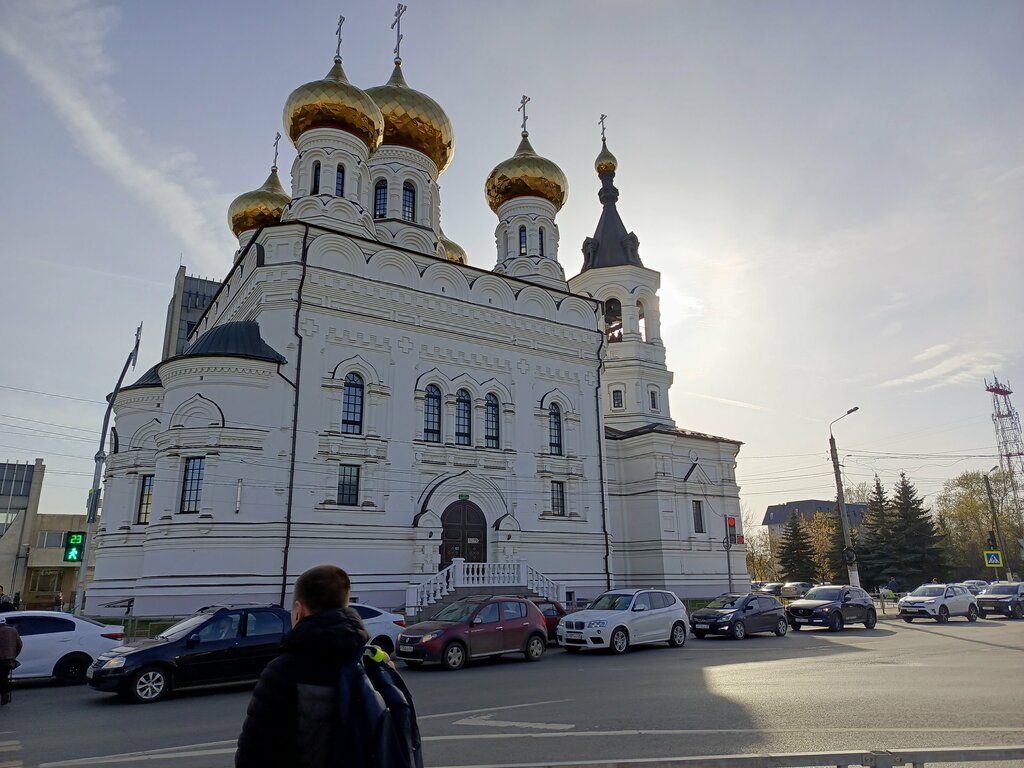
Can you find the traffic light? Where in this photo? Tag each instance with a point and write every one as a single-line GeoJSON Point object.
{"type": "Point", "coordinates": [74, 547]}
{"type": "Point", "coordinates": [732, 529]}
{"type": "Point", "coordinates": [991, 540]}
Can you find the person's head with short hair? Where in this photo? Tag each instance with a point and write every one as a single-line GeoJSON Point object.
{"type": "Point", "coordinates": [321, 588]}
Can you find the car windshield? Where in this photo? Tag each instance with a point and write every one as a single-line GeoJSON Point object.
{"type": "Point", "coordinates": [455, 612]}
{"type": "Point", "coordinates": [823, 593]}
{"type": "Point", "coordinates": [726, 601]}
{"type": "Point", "coordinates": [611, 602]}
{"type": "Point", "coordinates": [1004, 589]}
{"type": "Point", "coordinates": [929, 592]}
{"type": "Point", "coordinates": [183, 628]}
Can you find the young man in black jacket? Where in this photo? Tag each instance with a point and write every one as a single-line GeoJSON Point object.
{"type": "Point", "coordinates": [293, 717]}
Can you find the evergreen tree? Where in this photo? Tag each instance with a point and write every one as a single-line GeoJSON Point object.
{"type": "Point", "coordinates": [876, 548]}
{"type": "Point", "coordinates": [796, 556]}
{"type": "Point", "coordinates": [917, 555]}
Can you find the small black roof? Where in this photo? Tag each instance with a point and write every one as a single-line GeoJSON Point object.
{"type": "Point", "coordinates": [238, 339]}
{"type": "Point", "coordinates": [611, 245]}
{"type": "Point", "coordinates": [149, 379]}
{"type": "Point", "coordinates": [611, 433]}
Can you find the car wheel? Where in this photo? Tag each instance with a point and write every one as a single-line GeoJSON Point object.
{"type": "Point", "coordinates": [453, 656]}
{"type": "Point", "coordinates": [700, 634]}
{"type": "Point", "coordinates": [619, 642]}
{"type": "Point", "coordinates": [677, 639]}
{"type": "Point", "coordinates": [412, 663]}
{"type": "Point", "coordinates": [908, 619]}
{"type": "Point", "coordinates": [836, 623]}
{"type": "Point", "coordinates": [972, 614]}
{"type": "Point", "coordinates": [384, 643]}
{"type": "Point", "coordinates": [535, 648]}
{"type": "Point", "coordinates": [871, 620]}
{"type": "Point", "coordinates": [71, 669]}
{"type": "Point", "coordinates": [149, 684]}
{"type": "Point", "coordinates": [943, 616]}
{"type": "Point", "coordinates": [1018, 611]}
{"type": "Point", "coordinates": [781, 627]}
{"type": "Point", "coordinates": [738, 630]}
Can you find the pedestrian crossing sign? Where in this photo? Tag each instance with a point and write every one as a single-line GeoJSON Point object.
{"type": "Point", "coordinates": [993, 558]}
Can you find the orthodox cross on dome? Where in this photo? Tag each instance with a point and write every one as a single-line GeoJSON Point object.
{"type": "Point", "coordinates": [337, 51]}
{"type": "Point", "coordinates": [397, 26]}
{"type": "Point", "coordinates": [522, 108]}
{"type": "Point", "coordinates": [601, 123]}
{"type": "Point", "coordinates": [277, 140]}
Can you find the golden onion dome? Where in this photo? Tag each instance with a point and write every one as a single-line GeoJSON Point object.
{"type": "Point", "coordinates": [414, 120]}
{"type": "Point", "coordinates": [526, 174]}
{"type": "Point", "coordinates": [606, 161]}
{"type": "Point", "coordinates": [334, 103]}
{"type": "Point", "coordinates": [260, 207]}
{"type": "Point", "coordinates": [452, 250]}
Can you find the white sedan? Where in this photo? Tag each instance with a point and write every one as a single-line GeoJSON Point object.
{"type": "Point", "coordinates": [625, 617]}
{"type": "Point", "coordinates": [939, 602]}
{"type": "Point", "coordinates": [384, 626]}
{"type": "Point", "coordinates": [60, 645]}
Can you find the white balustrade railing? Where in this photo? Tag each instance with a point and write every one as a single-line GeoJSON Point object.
{"type": "Point", "coordinates": [483, 576]}
{"type": "Point", "coordinates": [542, 585]}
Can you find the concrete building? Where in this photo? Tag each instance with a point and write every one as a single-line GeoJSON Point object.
{"type": "Point", "coordinates": [191, 297]}
{"type": "Point", "coordinates": [776, 515]}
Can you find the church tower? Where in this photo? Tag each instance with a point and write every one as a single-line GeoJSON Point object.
{"type": "Point", "coordinates": [635, 378]}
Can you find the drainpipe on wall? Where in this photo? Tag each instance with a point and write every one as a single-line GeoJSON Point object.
{"type": "Point", "coordinates": [600, 466]}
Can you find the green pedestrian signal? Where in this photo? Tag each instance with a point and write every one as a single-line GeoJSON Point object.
{"type": "Point", "coordinates": [74, 547]}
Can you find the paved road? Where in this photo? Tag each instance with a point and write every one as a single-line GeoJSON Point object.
{"type": "Point", "coordinates": [897, 686]}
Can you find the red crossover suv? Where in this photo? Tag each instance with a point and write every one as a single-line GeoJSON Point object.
{"type": "Point", "coordinates": [475, 627]}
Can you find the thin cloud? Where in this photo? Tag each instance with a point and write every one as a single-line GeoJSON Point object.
{"type": "Point", "coordinates": [931, 353]}
{"type": "Point", "coordinates": [727, 401]}
{"type": "Point", "coordinates": [962, 368]}
{"type": "Point", "coordinates": [59, 46]}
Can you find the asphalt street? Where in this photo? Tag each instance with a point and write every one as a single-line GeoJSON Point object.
{"type": "Point", "coordinates": [898, 686]}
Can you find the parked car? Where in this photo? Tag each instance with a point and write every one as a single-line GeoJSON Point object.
{"type": "Point", "coordinates": [795, 589]}
{"type": "Point", "coordinates": [737, 615]}
{"type": "Point", "coordinates": [977, 586]}
{"type": "Point", "coordinates": [773, 588]}
{"type": "Point", "coordinates": [1007, 599]}
{"type": "Point", "coordinates": [383, 626]}
{"type": "Point", "coordinates": [939, 602]}
{"type": "Point", "coordinates": [475, 627]}
{"type": "Point", "coordinates": [218, 644]}
{"type": "Point", "coordinates": [625, 617]}
{"type": "Point", "coordinates": [553, 612]}
{"type": "Point", "coordinates": [833, 607]}
{"type": "Point", "coordinates": [59, 645]}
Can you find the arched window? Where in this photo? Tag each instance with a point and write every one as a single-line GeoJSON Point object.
{"type": "Point", "coordinates": [613, 319]}
{"type": "Point", "coordinates": [491, 429]}
{"type": "Point", "coordinates": [352, 405]}
{"type": "Point", "coordinates": [540, 243]}
{"type": "Point", "coordinates": [339, 181]}
{"type": "Point", "coordinates": [432, 415]}
{"type": "Point", "coordinates": [314, 188]}
{"type": "Point", "coordinates": [408, 201]}
{"type": "Point", "coordinates": [380, 199]}
{"type": "Point", "coordinates": [463, 418]}
{"type": "Point", "coordinates": [555, 429]}
{"type": "Point", "coordinates": [522, 241]}
{"type": "Point", "coordinates": [643, 321]}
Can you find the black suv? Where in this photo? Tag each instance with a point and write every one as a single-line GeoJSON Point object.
{"type": "Point", "coordinates": [832, 607]}
{"type": "Point", "coordinates": [1007, 599]}
{"type": "Point", "coordinates": [219, 644]}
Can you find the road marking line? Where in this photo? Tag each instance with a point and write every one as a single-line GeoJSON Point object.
{"type": "Point", "coordinates": [486, 721]}
{"type": "Point", "coordinates": [491, 709]}
{"type": "Point", "coordinates": [165, 753]}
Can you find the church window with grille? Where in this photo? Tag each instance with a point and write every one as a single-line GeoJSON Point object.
{"type": "Point", "coordinates": [491, 428]}
{"type": "Point", "coordinates": [314, 188]}
{"type": "Point", "coordinates": [616, 398]}
{"type": "Point", "coordinates": [192, 485]}
{"type": "Point", "coordinates": [432, 415]}
{"type": "Point", "coordinates": [352, 405]}
{"type": "Point", "coordinates": [348, 485]}
{"type": "Point", "coordinates": [380, 199]}
{"type": "Point", "coordinates": [408, 202]}
{"type": "Point", "coordinates": [339, 181]}
{"type": "Point", "coordinates": [555, 429]}
{"type": "Point", "coordinates": [145, 500]}
{"type": "Point", "coordinates": [540, 242]}
{"type": "Point", "coordinates": [463, 418]}
{"type": "Point", "coordinates": [558, 498]}
{"type": "Point", "coordinates": [522, 241]}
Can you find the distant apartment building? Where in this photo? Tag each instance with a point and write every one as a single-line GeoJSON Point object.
{"type": "Point", "coordinates": [192, 295]}
{"type": "Point", "coordinates": [776, 515]}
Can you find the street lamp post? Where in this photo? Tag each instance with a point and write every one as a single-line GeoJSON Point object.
{"type": "Point", "coordinates": [848, 552]}
{"type": "Point", "coordinates": [995, 520]}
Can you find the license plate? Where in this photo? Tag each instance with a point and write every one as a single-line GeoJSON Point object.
{"type": "Point", "coordinates": [700, 626]}
{"type": "Point", "coordinates": [801, 621]}
{"type": "Point", "coordinates": [574, 635]}
{"type": "Point", "coordinates": [405, 648]}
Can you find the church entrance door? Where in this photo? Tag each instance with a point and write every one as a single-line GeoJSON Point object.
{"type": "Point", "coordinates": [464, 534]}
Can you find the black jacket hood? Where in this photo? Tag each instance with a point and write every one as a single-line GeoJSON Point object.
{"type": "Point", "coordinates": [334, 632]}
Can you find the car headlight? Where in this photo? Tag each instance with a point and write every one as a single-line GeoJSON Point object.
{"type": "Point", "coordinates": [597, 623]}
{"type": "Point", "coordinates": [825, 610]}
{"type": "Point", "coordinates": [929, 602]}
{"type": "Point", "coordinates": [115, 663]}
{"type": "Point", "coordinates": [726, 617]}
{"type": "Point", "coordinates": [431, 636]}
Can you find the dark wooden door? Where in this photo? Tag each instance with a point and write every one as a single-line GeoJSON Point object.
{"type": "Point", "coordinates": [464, 534]}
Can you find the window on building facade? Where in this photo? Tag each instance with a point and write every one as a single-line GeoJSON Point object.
{"type": "Point", "coordinates": [616, 398]}
{"type": "Point", "coordinates": [348, 485]}
{"type": "Point", "coordinates": [50, 539]}
{"type": "Point", "coordinates": [698, 517]}
{"type": "Point", "coordinates": [491, 428]}
{"type": "Point", "coordinates": [380, 199]}
{"type": "Point", "coordinates": [558, 498]}
{"type": "Point", "coordinates": [540, 242]}
{"type": "Point", "coordinates": [654, 400]}
{"type": "Point", "coordinates": [339, 181]}
{"type": "Point", "coordinates": [408, 201]}
{"type": "Point", "coordinates": [555, 429]}
{"type": "Point", "coordinates": [192, 485]}
{"type": "Point", "coordinates": [463, 418]}
{"type": "Point", "coordinates": [432, 415]}
{"type": "Point", "coordinates": [314, 188]}
{"type": "Point", "coordinates": [352, 405]}
{"type": "Point", "coordinates": [522, 241]}
{"type": "Point", "coordinates": [613, 319]}
{"type": "Point", "coordinates": [145, 500]}
{"type": "Point", "coordinates": [45, 580]}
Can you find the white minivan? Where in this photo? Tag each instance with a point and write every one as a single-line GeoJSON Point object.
{"type": "Point", "coordinates": [60, 645]}
{"type": "Point", "coordinates": [625, 617]}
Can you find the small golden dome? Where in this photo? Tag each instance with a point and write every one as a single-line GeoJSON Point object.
{"type": "Point", "coordinates": [606, 161]}
{"type": "Point", "coordinates": [334, 103]}
{"type": "Point", "coordinates": [414, 120]}
{"type": "Point", "coordinates": [526, 174]}
{"type": "Point", "coordinates": [453, 250]}
{"type": "Point", "coordinates": [260, 207]}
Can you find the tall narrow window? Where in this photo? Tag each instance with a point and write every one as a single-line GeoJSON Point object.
{"type": "Point", "coordinates": [192, 485]}
{"type": "Point", "coordinates": [540, 243]}
{"type": "Point", "coordinates": [613, 319]}
{"type": "Point", "coordinates": [654, 400]}
{"type": "Point", "coordinates": [616, 398]}
{"type": "Point", "coordinates": [380, 199]}
{"type": "Point", "coordinates": [348, 485]}
{"type": "Point", "coordinates": [555, 429]}
{"type": "Point", "coordinates": [491, 429]}
{"type": "Point", "coordinates": [352, 405]}
{"type": "Point", "coordinates": [339, 181]}
{"type": "Point", "coordinates": [463, 418]}
{"type": "Point", "coordinates": [432, 415]}
{"type": "Point", "coordinates": [408, 201]}
{"type": "Point", "coordinates": [698, 516]}
{"type": "Point", "coordinates": [558, 498]}
{"type": "Point", "coordinates": [522, 241]}
{"type": "Point", "coordinates": [314, 188]}
{"type": "Point", "coordinates": [145, 500]}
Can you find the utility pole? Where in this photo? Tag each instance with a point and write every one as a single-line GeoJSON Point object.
{"type": "Point", "coordinates": [995, 521]}
{"type": "Point", "coordinates": [848, 553]}
{"type": "Point", "coordinates": [727, 543]}
{"type": "Point", "coordinates": [97, 475]}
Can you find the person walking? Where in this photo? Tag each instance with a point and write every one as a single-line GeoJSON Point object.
{"type": "Point", "coordinates": [6, 604]}
{"type": "Point", "coordinates": [293, 717]}
{"type": "Point", "coordinates": [10, 647]}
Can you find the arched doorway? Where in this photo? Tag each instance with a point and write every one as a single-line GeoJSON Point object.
{"type": "Point", "coordinates": [464, 533]}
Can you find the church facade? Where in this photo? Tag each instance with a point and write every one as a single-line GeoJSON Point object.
{"type": "Point", "coordinates": [358, 393]}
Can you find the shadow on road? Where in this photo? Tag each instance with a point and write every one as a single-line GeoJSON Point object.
{"type": "Point", "coordinates": [980, 626]}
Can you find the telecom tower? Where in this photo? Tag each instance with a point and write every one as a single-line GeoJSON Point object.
{"type": "Point", "coordinates": [1008, 436]}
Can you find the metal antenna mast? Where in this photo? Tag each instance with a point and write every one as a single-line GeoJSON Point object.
{"type": "Point", "coordinates": [1009, 439]}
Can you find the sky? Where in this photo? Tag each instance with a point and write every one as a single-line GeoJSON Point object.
{"type": "Point", "coordinates": [833, 193]}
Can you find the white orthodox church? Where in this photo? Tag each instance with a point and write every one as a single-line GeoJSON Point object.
{"type": "Point", "coordinates": [359, 393]}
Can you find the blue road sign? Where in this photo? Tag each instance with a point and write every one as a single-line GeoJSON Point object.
{"type": "Point", "coordinates": [993, 558]}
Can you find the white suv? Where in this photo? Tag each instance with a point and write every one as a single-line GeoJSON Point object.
{"type": "Point", "coordinates": [624, 617]}
{"type": "Point", "coordinates": [939, 602]}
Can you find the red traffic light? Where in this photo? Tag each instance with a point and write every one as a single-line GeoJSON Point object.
{"type": "Point", "coordinates": [732, 522]}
